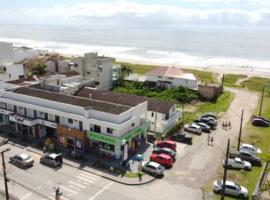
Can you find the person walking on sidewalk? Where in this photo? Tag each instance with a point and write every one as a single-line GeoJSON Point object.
{"type": "Point", "coordinates": [208, 140]}
{"type": "Point", "coordinates": [212, 141]}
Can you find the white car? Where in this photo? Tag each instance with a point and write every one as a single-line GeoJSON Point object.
{"type": "Point", "coordinates": [231, 188]}
{"type": "Point", "coordinates": [249, 147]}
{"type": "Point", "coordinates": [238, 163]}
{"type": "Point", "coordinates": [193, 128]}
{"type": "Point", "coordinates": [22, 160]}
{"type": "Point", "coordinates": [153, 168]}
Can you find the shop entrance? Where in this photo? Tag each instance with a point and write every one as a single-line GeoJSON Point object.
{"type": "Point", "coordinates": [70, 143]}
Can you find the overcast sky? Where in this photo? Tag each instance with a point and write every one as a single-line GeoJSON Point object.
{"type": "Point", "coordinates": [137, 12]}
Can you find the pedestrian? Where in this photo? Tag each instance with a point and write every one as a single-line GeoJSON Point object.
{"type": "Point", "coordinates": [212, 141]}
{"type": "Point", "coordinates": [140, 176]}
{"type": "Point", "coordinates": [230, 125]}
{"type": "Point", "coordinates": [208, 140]}
{"type": "Point", "coordinates": [223, 124]}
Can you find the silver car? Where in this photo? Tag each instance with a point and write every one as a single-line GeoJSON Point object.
{"type": "Point", "coordinates": [153, 168]}
{"type": "Point", "coordinates": [193, 128]}
{"type": "Point", "coordinates": [52, 159]}
{"type": "Point", "coordinates": [22, 160]}
{"type": "Point", "coordinates": [231, 188]}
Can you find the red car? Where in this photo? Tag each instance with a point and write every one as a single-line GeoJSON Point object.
{"type": "Point", "coordinates": [167, 143]}
{"type": "Point", "coordinates": [162, 159]}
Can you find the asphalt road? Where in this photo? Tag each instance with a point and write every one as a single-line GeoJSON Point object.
{"type": "Point", "coordinates": [195, 166]}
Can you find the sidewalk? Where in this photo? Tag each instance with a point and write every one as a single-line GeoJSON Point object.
{"type": "Point", "coordinates": [89, 162]}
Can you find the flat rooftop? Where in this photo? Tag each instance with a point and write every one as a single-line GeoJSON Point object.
{"type": "Point", "coordinates": [86, 103]}
{"type": "Point", "coordinates": [126, 99]}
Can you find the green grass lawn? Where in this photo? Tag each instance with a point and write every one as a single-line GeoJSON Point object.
{"type": "Point", "coordinates": [138, 68]}
{"type": "Point", "coordinates": [261, 138]}
{"type": "Point", "coordinates": [256, 84]}
{"type": "Point", "coordinates": [231, 79]}
{"type": "Point", "coordinates": [203, 76]}
{"type": "Point", "coordinates": [221, 104]}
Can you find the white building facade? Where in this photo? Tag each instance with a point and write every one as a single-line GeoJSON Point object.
{"type": "Point", "coordinates": [76, 123]}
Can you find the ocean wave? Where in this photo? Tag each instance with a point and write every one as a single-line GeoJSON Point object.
{"type": "Point", "coordinates": [148, 56]}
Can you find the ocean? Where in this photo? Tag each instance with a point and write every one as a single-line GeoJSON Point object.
{"type": "Point", "coordinates": [204, 46]}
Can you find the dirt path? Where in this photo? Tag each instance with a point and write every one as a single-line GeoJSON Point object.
{"type": "Point", "coordinates": [200, 162]}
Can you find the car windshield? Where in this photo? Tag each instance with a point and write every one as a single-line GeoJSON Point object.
{"type": "Point", "coordinates": [25, 157]}
{"type": "Point", "coordinates": [237, 186]}
{"type": "Point", "coordinates": [159, 167]}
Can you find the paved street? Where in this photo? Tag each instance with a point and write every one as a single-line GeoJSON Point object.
{"type": "Point", "coordinates": [194, 167]}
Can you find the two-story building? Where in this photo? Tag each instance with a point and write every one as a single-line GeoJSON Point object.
{"type": "Point", "coordinates": [77, 123]}
{"type": "Point", "coordinates": [162, 115]}
{"type": "Point", "coordinates": [167, 77]}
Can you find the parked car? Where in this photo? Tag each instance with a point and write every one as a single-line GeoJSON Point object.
{"type": "Point", "coordinates": [22, 160]}
{"type": "Point", "coordinates": [249, 147]}
{"type": "Point", "coordinates": [193, 128]}
{"type": "Point", "coordinates": [210, 114]}
{"type": "Point", "coordinates": [209, 121]}
{"type": "Point", "coordinates": [262, 118]}
{"type": "Point", "coordinates": [52, 159]}
{"type": "Point", "coordinates": [166, 151]}
{"type": "Point", "coordinates": [247, 156]}
{"type": "Point", "coordinates": [182, 137]}
{"type": "Point", "coordinates": [260, 122]}
{"type": "Point", "coordinates": [238, 163]}
{"type": "Point", "coordinates": [231, 188]}
{"type": "Point", "coordinates": [163, 159]}
{"type": "Point", "coordinates": [166, 143]}
{"type": "Point", "coordinates": [205, 128]}
{"type": "Point", "coordinates": [153, 168]}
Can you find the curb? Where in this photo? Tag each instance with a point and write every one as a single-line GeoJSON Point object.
{"type": "Point", "coordinates": [98, 174]}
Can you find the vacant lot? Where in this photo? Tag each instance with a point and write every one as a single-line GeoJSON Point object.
{"type": "Point", "coordinates": [256, 84]}
{"type": "Point", "coordinates": [230, 80]}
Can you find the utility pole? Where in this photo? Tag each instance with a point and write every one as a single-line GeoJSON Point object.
{"type": "Point", "coordinates": [225, 171]}
{"type": "Point", "coordinates": [222, 81]}
{"type": "Point", "coordinates": [4, 172]}
{"type": "Point", "coordinates": [260, 112]}
{"type": "Point", "coordinates": [183, 113]}
{"type": "Point", "coordinates": [240, 131]}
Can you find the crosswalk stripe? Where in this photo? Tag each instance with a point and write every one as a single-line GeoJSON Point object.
{"type": "Point", "coordinates": [82, 182]}
{"type": "Point", "coordinates": [69, 190]}
{"type": "Point", "coordinates": [76, 184]}
{"type": "Point", "coordinates": [74, 188]}
{"type": "Point", "coordinates": [26, 196]}
{"type": "Point", "coordinates": [84, 179]}
{"type": "Point", "coordinates": [90, 177]}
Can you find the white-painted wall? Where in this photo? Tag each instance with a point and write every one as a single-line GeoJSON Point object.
{"type": "Point", "coordinates": [12, 72]}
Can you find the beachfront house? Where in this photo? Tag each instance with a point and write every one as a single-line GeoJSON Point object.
{"type": "Point", "coordinates": [167, 77]}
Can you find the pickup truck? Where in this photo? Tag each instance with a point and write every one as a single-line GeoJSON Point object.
{"type": "Point", "coordinates": [247, 156]}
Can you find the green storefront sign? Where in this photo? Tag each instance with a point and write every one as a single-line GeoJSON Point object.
{"type": "Point", "coordinates": [113, 140]}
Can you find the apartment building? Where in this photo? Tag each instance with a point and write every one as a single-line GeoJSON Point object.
{"type": "Point", "coordinates": [162, 115]}
{"type": "Point", "coordinates": [77, 123]}
{"type": "Point", "coordinates": [9, 69]}
{"type": "Point", "coordinates": [97, 68]}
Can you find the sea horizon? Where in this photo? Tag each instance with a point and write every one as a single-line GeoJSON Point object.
{"type": "Point", "coordinates": [202, 46]}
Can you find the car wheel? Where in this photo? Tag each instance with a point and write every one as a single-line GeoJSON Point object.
{"type": "Point", "coordinates": [241, 196]}
{"type": "Point", "coordinates": [247, 169]}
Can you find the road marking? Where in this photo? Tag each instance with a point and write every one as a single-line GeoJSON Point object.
{"type": "Point", "coordinates": [102, 190]}
{"type": "Point", "coordinates": [52, 198]}
{"type": "Point", "coordinates": [84, 179]}
{"type": "Point", "coordinates": [82, 182]}
{"type": "Point", "coordinates": [25, 196]}
{"type": "Point", "coordinates": [78, 185]}
{"type": "Point", "coordinates": [90, 177]}
{"type": "Point", "coordinates": [69, 190]}
{"type": "Point", "coordinates": [74, 188]}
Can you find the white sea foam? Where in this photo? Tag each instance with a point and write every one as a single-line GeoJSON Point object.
{"type": "Point", "coordinates": [148, 56]}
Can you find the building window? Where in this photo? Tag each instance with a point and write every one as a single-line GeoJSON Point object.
{"type": "Point", "coordinates": [96, 128]}
{"type": "Point", "coordinates": [166, 116]}
{"type": "Point", "coordinates": [88, 73]}
{"type": "Point", "coordinates": [152, 114]}
{"type": "Point", "coordinates": [78, 144]}
{"type": "Point", "coordinates": [109, 130]}
{"type": "Point", "coordinates": [15, 108]}
{"type": "Point", "coordinates": [9, 75]}
{"type": "Point", "coordinates": [75, 65]}
{"type": "Point", "coordinates": [106, 146]}
{"type": "Point", "coordinates": [133, 124]}
{"type": "Point", "coordinates": [80, 125]}
{"type": "Point", "coordinates": [159, 76]}
{"type": "Point", "coordinates": [70, 121]}
{"type": "Point", "coordinates": [62, 139]}
{"type": "Point", "coordinates": [57, 119]}
{"type": "Point", "coordinates": [46, 116]}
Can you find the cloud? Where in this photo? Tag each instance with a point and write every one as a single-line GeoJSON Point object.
{"type": "Point", "coordinates": [154, 13]}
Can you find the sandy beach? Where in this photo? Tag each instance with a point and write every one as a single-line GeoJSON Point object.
{"type": "Point", "coordinates": [216, 69]}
